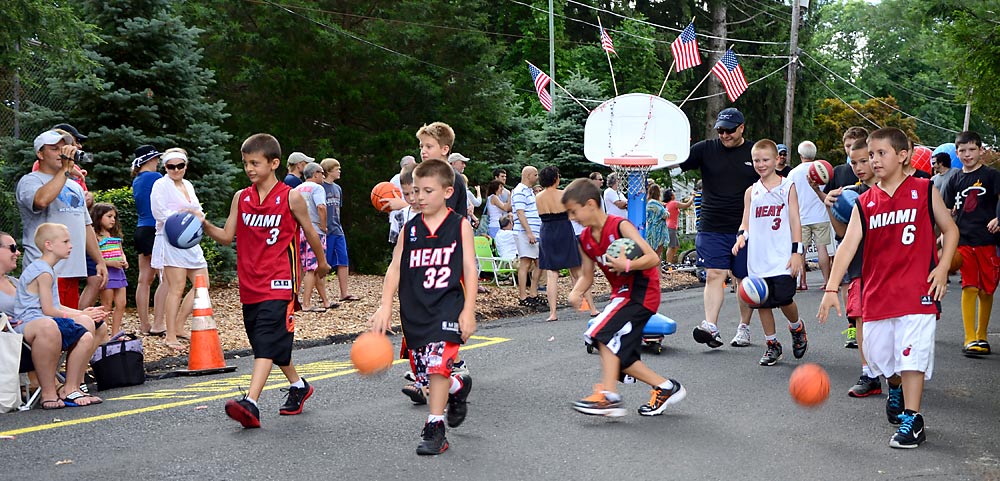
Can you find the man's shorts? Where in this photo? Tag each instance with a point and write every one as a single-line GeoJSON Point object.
{"type": "Point", "coordinates": [780, 292]}
{"type": "Point", "coordinates": [306, 255]}
{"type": "Point", "coordinates": [820, 233]}
{"type": "Point", "coordinates": [980, 267]}
{"type": "Point", "coordinates": [672, 240]}
{"type": "Point", "coordinates": [336, 251]}
{"type": "Point", "coordinates": [434, 358]}
{"type": "Point", "coordinates": [143, 239]}
{"type": "Point", "coordinates": [715, 251]}
{"type": "Point", "coordinates": [270, 327]}
{"type": "Point", "coordinates": [619, 327]}
{"type": "Point", "coordinates": [525, 248]}
{"type": "Point", "coordinates": [900, 344]}
{"type": "Point", "coordinates": [854, 299]}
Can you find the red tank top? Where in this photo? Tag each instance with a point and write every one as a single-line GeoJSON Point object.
{"type": "Point", "coordinates": [267, 246]}
{"type": "Point", "coordinates": [899, 250]}
{"type": "Point", "coordinates": [641, 287]}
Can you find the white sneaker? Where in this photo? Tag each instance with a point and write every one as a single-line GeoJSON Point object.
{"type": "Point", "coordinates": [742, 338]}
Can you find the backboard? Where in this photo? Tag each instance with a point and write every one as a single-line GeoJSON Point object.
{"type": "Point", "coordinates": [637, 125]}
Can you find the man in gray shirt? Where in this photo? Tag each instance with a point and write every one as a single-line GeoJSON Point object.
{"type": "Point", "coordinates": [942, 170]}
{"type": "Point", "coordinates": [46, 196]}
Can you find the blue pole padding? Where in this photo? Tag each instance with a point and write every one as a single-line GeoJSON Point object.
{"type": "Point", "coordinates": [637, 201]}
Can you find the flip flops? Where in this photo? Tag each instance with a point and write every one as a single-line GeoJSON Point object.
{"type": "Point", "coordinates": [74, 398]}
{"type": "Point", "coordinates": [350, 298]}
{"type": "Point", "coordinates": [314, 309]}
{"type": "Point", "coordinates": [52, 404]}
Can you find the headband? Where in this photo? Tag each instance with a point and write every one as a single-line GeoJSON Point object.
{"type": "Point", "coordinates": [167, 157]}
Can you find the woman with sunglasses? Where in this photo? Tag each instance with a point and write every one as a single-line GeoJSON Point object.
{"type": "Point", "coordinates": [170, 195]}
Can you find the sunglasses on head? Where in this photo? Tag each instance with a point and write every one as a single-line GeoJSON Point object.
{"type": "Point", "coordinates": [726, 131]}
{"type": "Point", "coordinates": [175, 166]}
{"type": "Point", "coordinates": [12, 247]}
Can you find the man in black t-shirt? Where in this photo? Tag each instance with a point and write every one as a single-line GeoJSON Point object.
{"type": "Point", "coordinates": [726, 172]}
{"type": "Point", "coordinates": [783, 168]}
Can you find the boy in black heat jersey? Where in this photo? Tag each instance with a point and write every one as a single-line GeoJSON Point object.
{"type": "Point", "coordinates": [437, 298]}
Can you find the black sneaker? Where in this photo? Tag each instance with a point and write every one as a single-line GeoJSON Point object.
{"type": "Point", "coordinates": [894, 404]}
{"type": "Point", "coordinates": [415, 393]}
{"type": "Point", "coordinates": [799, 341]}
{"type": "Point", "coordinates": [985, 346]}
{"type": "Point", "coordinates": [598, 404]}
{"type": "Point", "coordinates": [703, 334]}
{"type": "Point", "coordinates": [772, 354]}
{"type": "Point", "coordinates": [661, 398]}
{"type": "Point", "coordinates": [866, 386]}
{"type": "Point", "coordinates": [911, 431]}
{"type": "Point", "coordinates": [294, 399]}
{"type": "Point", "coordinates": [432, 439]}
{"type": "Point", "coordinates": [457, 403]}
{"type": "Point", "coordinates": [244, 412]}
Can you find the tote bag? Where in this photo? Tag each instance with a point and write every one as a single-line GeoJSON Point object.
{"type": "Point", "coordinates": [10, 362]}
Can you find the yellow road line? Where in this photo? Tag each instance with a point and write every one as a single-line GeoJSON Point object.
{"type": "Point", "coordinates": [487, 341]}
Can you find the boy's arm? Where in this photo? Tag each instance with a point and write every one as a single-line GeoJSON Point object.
{"type": "Point", "coordinates": [942, 218]}
{"type": "Point", "coordinates": [741, 240]}
{"type": "Point", "coordinates": [845, 254]}
{"type": "Point", "coordinates": [301, 213]}
{"type": "Point", "coordinates": [382, 317]}
{"type": "Point", "coordinates": [44, 285]}
{"type": "Point", "coordinates": [583, 282]}
{"type": "Point", "coordinates": [795, 225]}
{"type": "Point", "coordinates": [223, 235]}
{"type": "Point", "coordinates": [648, 260]}
{"type": "Point", "coordinates": [470, 278]}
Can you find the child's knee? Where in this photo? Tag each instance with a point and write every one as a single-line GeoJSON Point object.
{"type": "Point", "coordinates": [85, 321]}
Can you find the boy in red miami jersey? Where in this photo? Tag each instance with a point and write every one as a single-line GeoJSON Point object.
{"type": "Point", "coordinates": [266, 217]}
{"type": "Point", "coordinates": [635, 297]}
{"type": "Point", "coordinates": [903, 281]}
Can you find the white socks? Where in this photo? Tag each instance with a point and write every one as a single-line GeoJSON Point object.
{"type": "Point", "coordinates": [299, 384]}
{"type": "Point", "coordinates": [431, 418]}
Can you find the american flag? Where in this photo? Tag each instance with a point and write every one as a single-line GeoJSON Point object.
{"type": "Point", "coordinates": [685, 49]}
{"type": "Point", "coordinates": [541, 81]}
{"type": "Point", "coordinates": [728, 71]}
{"type": "Point", "coordinates": [606, 43]}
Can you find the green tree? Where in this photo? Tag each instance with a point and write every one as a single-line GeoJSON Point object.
{"type": "Point", "coordinates": [39, 29]}
{"type": "Point", "coordinates": [833, 118]}
{"type": "Point", "coordinates": [558, 139]}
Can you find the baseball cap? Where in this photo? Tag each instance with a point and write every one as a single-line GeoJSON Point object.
{"type": "Point", "coordinates": [51, 137]}
{"type": "Point", "coordinates": [456, 157]}
{"type": "Point", "coordinates": [72, 131]}
{"type": "Point", "coordinates": [729, 119]}
{"type": "Point", "coordinates": [782, 148]}
{"type": "Point", "coordinates": [143, 154]}
{"type": "Point", "coordinates": [296, 157]}
{"type": "Point", "coordinates": [407, 160]}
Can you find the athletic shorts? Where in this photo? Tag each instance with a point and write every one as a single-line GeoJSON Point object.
{"type": "Point", "coordinates": [780, 292]}
{"type": "Point", "coordinates": [434, 358]}
{"type": "Point", "coordinates": [900, 344]}
{"type": "Point", "coordinates": [715, 251]}
{"type": "Point", "coordinates": [525, 248]}
{"type": "Point", "coordinates": [91, 267]}
{"type": "Point", "coordinates": [854, 298]}
{"type": "Point", "coordinates": [69, 292]}
{"type": "Point", "coordinates": [69, 330]}
{"type": "Point", "coordinates": [980, 267]}
{"type": "Point", "coordinates": [142, 240]}
{"type": "Point", "coordinates": [619, 327]}
{"type": "Point", "coordinates": [817, 232]}
{"type": "Point", "coordinates": [336, 251]}
{"type": "Point", "coordinates": [306, 255]}
{"type": "Point", "coordinates": [270, 327]}
{"type": "Point", "coordinates": [672, 240]}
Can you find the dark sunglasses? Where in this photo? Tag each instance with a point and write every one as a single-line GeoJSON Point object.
{"type": "Point", "coordinates": [179, 166]}
{"type": "Point", "coordinates": [725, 131]}
{"type": "Point", "coordinates": [12, 247]}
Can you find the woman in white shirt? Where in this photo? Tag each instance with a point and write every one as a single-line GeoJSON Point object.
{"type": "Point", "coordinates": [496, 207]}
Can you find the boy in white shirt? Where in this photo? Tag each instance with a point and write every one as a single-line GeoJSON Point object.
{"type": "Point", "coordinates": [506, 240]}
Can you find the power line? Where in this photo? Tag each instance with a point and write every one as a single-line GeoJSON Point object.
{"type": "Point", "coordinates": [928, 97]}
{"type": "Point", "coordinates": [846, 103]}
{"type": "Point", "coordinates": [766, 12]}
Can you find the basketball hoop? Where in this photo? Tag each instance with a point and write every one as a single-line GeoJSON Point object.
{"type": "Point", "coordinates": [632, 173]}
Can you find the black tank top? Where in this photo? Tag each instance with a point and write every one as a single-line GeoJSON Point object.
{"type": "Point", "coordinates": [431, 295]}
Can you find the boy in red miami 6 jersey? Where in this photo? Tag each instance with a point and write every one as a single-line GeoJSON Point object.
{"type": "Point", "coordinates": [903, 281]}
{"type": "Point", "coordinates": [266, 218]}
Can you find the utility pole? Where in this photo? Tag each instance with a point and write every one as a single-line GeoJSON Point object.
{"type": "Point", "coordinates": [552, 57]}
{"type": "Point", "coordinates": [968, 111]}
{"type": "Point", "coordinates": [793, 54]}
{"type": "Point", "coordinates": [715, 103]}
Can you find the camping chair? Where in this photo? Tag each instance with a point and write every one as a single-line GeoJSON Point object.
{"type": "Point", "coordinates": [28, 366]}
{"type": "Point", "coordinates": [491, 264]}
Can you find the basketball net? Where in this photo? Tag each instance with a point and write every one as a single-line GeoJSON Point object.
{"type": "Point", "coordinates": [632, 173]}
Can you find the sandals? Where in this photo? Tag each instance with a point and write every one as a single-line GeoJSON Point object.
{"type": "Point", "coordinates": [154, 333]}
{"type": "Point", "coordinates": [176, 346]}
{"type": "Point", "coordinates": [76, 398]}
{"type": "Point", "coordinates": [314, 309]}
{"type": "Point", "coordinates": [350, 298]}
{"type": "Point", "coordinates": [52, 404]}
{"type": "Point", "coordinates": [333, 305]}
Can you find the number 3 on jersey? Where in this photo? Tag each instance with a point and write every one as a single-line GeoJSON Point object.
{"type": "Point", "coordinates": [274, 236]}
{"type": "Point", "coordinates": [441, 273]}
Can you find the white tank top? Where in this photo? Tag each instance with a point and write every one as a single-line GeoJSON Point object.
{"type": "Point", "coordinates": [494, 212]}
{"type": "Point", "coordinates": [770, 242]}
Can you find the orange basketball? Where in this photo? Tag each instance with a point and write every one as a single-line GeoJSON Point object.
{"type": "Point", "coordinates": [809, 385]}
{"type": "Point", "coordinates": [371, 353]}
{"type": "Point", "coordinates": [956, 263]}
{"type": "Point", "coordinates": [384, 190]}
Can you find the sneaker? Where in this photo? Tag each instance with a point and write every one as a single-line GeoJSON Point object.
{"type": "Point", "coordinates": [852, 337]}
{"type": "Point", "coordinates": [660, 398]}
{"type": "Point", "coordinates": [294, 399]}
{"type": "Point", "coordinates": [911, 431]}
{"type": "Point", "coordinates": [866, 386]}
{"type": "Point", "coordinates": [460, 367]}
{"type": "Point", "coordinates": [742, 338]}
{"type": "Point", "coordinates": [432, 440]}
{"type": "Point", "coordinates": [894, 404]}
{"type": "Point", "coordinates": [704, 334]}
{"type": "Point", "coordinates": [973, 348]}
{"type": "Point", "coordinates": [457, 403]}
{"type": "Point", "coordinates": [244, 412]}
{"type": "Point", "coordinates": [597, 404]}
{"type": "Point", "coordinates": [415, 393]}
{"type": "Point", "coordinates": [983, 345]}
{"type": "Point", "coordinates": [772, 354]}
{"type": "Point", "coordinates": [799, 341]}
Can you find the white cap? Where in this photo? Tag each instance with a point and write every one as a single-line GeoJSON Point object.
{"type": "Point", "coordinates": [51, 137]}
{"type": "Point", "coordinates": [296, 157]}
{"type": "Point", "coordinates": [456, 157]}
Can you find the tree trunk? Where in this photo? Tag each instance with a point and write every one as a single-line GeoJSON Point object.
{"type": "Point", "coordinates": [718, 102]}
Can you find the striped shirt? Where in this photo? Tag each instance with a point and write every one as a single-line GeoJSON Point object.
{"type": "Point", "coordinates": [524, 199]}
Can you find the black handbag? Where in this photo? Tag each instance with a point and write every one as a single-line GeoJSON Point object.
{"type": "Point", "coordinates": [119, 363]}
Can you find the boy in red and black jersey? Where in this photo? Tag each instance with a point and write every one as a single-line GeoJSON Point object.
{"type": "Point", "coordinates": [266, 217]}
{"type": "Point", "coordinates": [635, 297]}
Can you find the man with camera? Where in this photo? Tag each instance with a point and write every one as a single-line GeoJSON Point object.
{"type": "Point", "coordinates": [47, 196]}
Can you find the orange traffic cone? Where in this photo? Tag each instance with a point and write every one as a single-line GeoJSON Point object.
{"type": "Point", "coordinates": [206, 349]}
{"type": "Point", "coordinates": [584, 305]}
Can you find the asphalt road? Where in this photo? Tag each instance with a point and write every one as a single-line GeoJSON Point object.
{"type": "Point", "coordinates": [738, 421]}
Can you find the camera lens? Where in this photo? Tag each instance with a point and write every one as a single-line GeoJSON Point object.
{"type": "Point", "coordinates": [82, 157]}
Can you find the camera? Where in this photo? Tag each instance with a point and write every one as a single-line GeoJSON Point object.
{"type": "Point", "coordinates": [81, 157]}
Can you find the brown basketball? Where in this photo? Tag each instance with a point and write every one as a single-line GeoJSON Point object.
{"type": "Point", "coordinates": [809, 385]}
{"type": "Point", "coordinates": [371, 353]}
{"type": "Point", "coordinates": [956, 263]}
{"type": "Point", "coordinates": [384, 190]}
